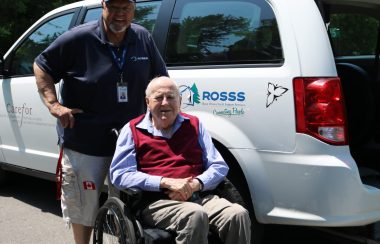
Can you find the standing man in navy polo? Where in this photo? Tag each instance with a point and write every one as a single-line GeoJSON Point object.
{"type": "Point", "coordinates": [105, 66]}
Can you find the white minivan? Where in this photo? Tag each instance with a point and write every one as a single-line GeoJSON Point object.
{"type": "Point", "coordinates": [287, 89]}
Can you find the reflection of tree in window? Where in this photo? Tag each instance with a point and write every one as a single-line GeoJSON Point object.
{"type": "Point", "coordinates": [262, 44]}
{"type": "Point", "coordinates": [211, 34]}
{"type": "Point", "coordinates": [26, 54]}
{"type": "Point", "coordinates": [222, 38]}
{"type": "Point", "coordinates": [36, 43]}
{"type": "Point", "coordinates": [146, 16]}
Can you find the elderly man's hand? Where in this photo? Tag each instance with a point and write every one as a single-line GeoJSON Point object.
{"type": "Point", "coordinates": [179, 189]}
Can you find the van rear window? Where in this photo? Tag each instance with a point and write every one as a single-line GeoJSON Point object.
{"type": "Point", "coordinates": [223, 32]}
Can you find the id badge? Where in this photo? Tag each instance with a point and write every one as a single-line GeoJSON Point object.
{"type": "Point", "coordinates": [122, 92]}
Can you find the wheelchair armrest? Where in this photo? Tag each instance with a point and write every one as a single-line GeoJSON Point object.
{"type": "Point", "coordinates": [115, 131]}
{"type": "Point", "coordinates": [131, 196]}
{"type": "Point", "coordinates": [133, 192]}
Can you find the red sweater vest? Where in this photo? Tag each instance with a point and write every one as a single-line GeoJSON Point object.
{"type": "Point", "coordinates": [177, 157]}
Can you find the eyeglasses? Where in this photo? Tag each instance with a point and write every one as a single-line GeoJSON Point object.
{"type": "Point", "coordinates": [114, 9]}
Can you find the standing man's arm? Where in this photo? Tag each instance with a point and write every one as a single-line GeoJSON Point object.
{"type": "Point", "coordinates": [46, 88]}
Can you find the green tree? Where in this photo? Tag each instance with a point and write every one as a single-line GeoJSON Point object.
{"type": "Point", "coordinates": [16, 16]}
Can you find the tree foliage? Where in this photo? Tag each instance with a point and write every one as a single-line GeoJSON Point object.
{"type": "Point", "coordinates": [213, 30]}
{"type": "Point", "coordinates": [142, 14]}
{"type": "Point", "coordinates": [17, 15]}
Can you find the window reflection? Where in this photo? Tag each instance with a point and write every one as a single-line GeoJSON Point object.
{"type": "Point", "coordinates": [38, 41]}
{"type": "Point", "coordinates": [223, 32]}
{"type": "Point", "coordinates": [146, 14]}
{"type": "Point", "coordinates": [92, 14]}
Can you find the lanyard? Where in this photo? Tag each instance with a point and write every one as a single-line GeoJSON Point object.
{"type": "Point", "coordinates": [120, 62]}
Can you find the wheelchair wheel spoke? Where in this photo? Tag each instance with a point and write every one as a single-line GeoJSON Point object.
{"type": "Point", "coordinates": [111, 229]}
{"type": "Point", "coordinates": [112, 226]}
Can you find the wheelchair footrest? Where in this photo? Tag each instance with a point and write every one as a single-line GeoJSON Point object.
{"type": "Point", "coordinates": [158, 236]}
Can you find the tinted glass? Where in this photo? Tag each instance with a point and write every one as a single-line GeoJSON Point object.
{"type": "Point", "coordinates": [92, 14]}
{"type": "Point", "coordinates": [145, 14]}
{"type": "Point", "coordinates": [223, 32]}
{"type": "Point", "coordinates": [347, 32]}
{"type": "Point", "coordinates": [39, 40]}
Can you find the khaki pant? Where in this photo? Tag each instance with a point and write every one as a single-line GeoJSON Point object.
{"type": "Point", "coordinates": [192, 220]}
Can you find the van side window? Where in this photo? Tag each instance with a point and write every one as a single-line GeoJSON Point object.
{"type": "Point", "coordinates": [92, 14]}
{"type": "Point", "coordinates": [34, 44]}
{"type": "Point", "coordinates": [223, 32]}
{"type": "Point", "coordinates": [347, 31]}
{"type": "Point", "coordinates": [145, 14]}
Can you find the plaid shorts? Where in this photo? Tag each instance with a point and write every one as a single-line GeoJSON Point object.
{"type": "Point", "coordinates": [83, 178]}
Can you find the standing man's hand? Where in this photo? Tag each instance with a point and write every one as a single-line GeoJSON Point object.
{"type": "Point", "coordinates": [63, 114]}
{"type": "Point", "coordinates": [46, 88]}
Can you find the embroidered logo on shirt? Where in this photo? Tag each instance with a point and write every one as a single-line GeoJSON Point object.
{"type": "Point", "coordinates": [135, 59]}
{"type": "Point", "coordinates": [88, 185]}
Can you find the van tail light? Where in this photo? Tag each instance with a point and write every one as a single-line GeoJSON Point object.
{"type": "Point", "coordinates": [320, 109]}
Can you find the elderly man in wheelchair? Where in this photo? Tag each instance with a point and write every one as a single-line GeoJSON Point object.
{"type": "Point", "coordinates": [166, 159]}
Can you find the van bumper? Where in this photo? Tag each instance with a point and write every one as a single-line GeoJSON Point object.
{"type": "Point", "coordinates": [315, 185]}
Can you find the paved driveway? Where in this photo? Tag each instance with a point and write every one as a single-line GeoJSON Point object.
{"type": "Point", "coordinates": [29, 213]}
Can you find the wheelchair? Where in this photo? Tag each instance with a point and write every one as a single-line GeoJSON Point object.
{"type": "Point", "coordinates": [118, 221]}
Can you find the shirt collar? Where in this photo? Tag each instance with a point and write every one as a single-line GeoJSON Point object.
{"type": "Point", "coordinates": [146, 123]}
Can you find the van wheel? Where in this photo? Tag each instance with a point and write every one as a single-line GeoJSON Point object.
{"type": "Point", "coordinates": [228, 191]}
{"type": "Point", "coordinates": [257, 229]}
{"type": "Point", "coordinates": [237, 179]}
{"type": "Point", "coordinates": [2, 176]}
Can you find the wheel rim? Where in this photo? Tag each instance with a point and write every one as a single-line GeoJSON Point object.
{"type": "Point", "coordinates": [112, 226]}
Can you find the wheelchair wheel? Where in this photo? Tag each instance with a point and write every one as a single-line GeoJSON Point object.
{"type": "Point", "coordinates": [113, 224]}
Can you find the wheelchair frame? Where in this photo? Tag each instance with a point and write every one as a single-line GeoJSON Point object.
{"type": "Point", "coordinates": [117, 220]}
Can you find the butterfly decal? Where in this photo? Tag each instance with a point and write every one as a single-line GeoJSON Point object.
{"type": "Point", "coordinates": [274, 91]}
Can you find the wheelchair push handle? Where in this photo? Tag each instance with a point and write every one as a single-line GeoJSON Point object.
{"type": "Point", "coordinates": [116, 132]}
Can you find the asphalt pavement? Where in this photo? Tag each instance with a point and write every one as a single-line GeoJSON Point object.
{"type": "Point", "coordinates": [29, 213]}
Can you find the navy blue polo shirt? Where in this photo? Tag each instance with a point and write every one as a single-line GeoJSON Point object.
{"type": "Point", "coordinates": [82, 58]}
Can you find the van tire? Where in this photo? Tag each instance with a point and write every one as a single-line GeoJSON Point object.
{"type": "Point", "coordinates": [242, 195]}
{"type": "Point", "coordinates": [257, 230]}
{"type": "Point", "coordinates": [2, 176]}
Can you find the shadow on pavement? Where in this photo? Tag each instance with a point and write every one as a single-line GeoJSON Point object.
{"type": "Point", "coordinates": [33, 191]}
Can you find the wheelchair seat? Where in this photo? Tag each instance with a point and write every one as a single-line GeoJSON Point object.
{"type": "Point", "coordinates": [118, 219]}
